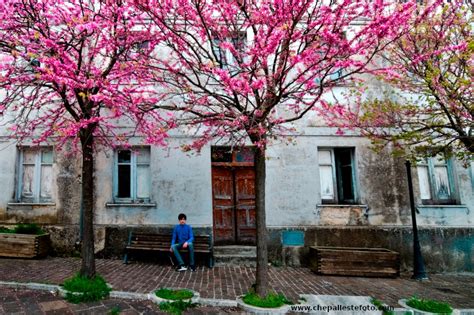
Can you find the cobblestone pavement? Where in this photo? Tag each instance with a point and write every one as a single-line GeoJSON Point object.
{"type": "Point", "coordinates": [227, 282]}
{"type": "Point", "coordinates": [31, 302]}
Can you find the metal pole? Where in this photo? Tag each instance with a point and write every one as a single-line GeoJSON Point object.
{"type": "Point", "coordinates": [419, 272]}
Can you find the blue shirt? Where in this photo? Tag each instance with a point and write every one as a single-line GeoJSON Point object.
{"type": "Point", "coordinates": [182, 233]}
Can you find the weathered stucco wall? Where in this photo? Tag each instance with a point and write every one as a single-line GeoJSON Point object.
{"type": "Point", "coordinates": [443, 248]}
{"type": "Point", "coordinates": [293, 187]}
{"type": "Point", "coordinates": [181, 182]}
{"type": "Point", "coordinates": [8, 157]}
{"type": "Point", "coordinates": [292, 184]}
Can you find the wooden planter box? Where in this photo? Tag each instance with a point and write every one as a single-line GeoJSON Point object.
{"type": "Point", "coordinates": [353, 261]}
{"type": "Point", "coordinates": [24, 245]}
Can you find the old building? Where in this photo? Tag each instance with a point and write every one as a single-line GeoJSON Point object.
{"type": "Point", "coordinates": [322, 189]}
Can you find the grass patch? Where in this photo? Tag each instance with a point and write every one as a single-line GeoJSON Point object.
{"type": "Point", "coordinates": [114, 310]}
{"type": "Point", "coordinates": [82, 289]}
{"type": "Point", "coordinates": [272, 300]}
{"type": "Point", "coordinates": [432, 306]}
{"type": "Point", "coordinates": [176, 307]}
{"type": "Point", "coordinates": [6, 230]}
{"type": "Point", "coordinates": [170, 294]}
{"type": "Point", "coordinates": [29, 228]}
{"type": "Point", "coordinates": [381, 307]}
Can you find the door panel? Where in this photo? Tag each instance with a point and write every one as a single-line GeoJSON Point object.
{"type": "Point", "coordinates": [233, 191]}
{"type": "Point", "coordinates": [223, 205]}
{"type": "Point", "coordinates": [245, 205]}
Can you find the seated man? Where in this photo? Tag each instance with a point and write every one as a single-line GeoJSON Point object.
{"type": "Point", "coordinates": [183, 238]}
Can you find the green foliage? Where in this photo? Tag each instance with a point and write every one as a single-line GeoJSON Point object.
{"type": "Point", "coordinates": [174, 294]}
{"type": "Point", "coordinates": [114, 310]}
{"type": "Point", "coordinates": [381, 307]}
{"type": "Point", "coordinates": [29, 228]}
{"type": "Point", "coordinates": [176, 307]}
{"type": "Point", "coordinates": [432, 306]}
{"type": "Point", "coordinates": [6, 230]}
{"type": "Point", "coordinates": [276, 263]}
{"type": "Point", "coordinates": [83, 289]}
{"type": "Point", "coordinates": [272, 300]}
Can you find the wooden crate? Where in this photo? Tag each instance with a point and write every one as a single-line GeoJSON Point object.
{"type": "Point", "coordinates": [353, 261]}
{"type": "Point", "coordinates": [24, 245]}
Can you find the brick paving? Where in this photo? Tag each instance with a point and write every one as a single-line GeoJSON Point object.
{"type": "Point", "coordinates": [42, 302]}
{"type": "Point", "coordinates": [31, 302]}
{"type": "Point", "coordinates": [227, 282]}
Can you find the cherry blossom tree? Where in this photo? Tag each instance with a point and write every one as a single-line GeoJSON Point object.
{"type": "Point", "coordinates": [76, 71]}
{"type": "Point", "coordinates": [430, 106]}
{"type": "Point", "coordinates": [247, 70]}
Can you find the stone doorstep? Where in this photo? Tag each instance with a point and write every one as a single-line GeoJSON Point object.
{"type": "Point", "coordinates": [309, 300]}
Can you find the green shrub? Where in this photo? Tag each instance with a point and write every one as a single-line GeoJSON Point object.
{"type": "Point", "coordinates": [6, 230]}
{"type": "Point", "coordinates": [29, 228]}
{"type": "Point", "coordinates": [272, 300]}
{"type": "Point", "coordinates": [381, 307]}
{"type": "Point", "coordinates": [114, 311]}
{"type": "Point", "coordinates": [432, 306]}
{"type": "Point", "coordinates": [176, 307]}
{"type": "Point", "coordinates": [82, 289]}
{"type": "Point", "coordinates": [174, 294]}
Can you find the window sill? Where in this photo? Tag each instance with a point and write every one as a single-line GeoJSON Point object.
{"type": "Point", "coordinates": [441, 206]}
{"type": "Point", "coordinates": [19, 204]}
{"type": "Point", "coordinates": [130, 204]}
{"type": "Point", "coordinates": [333, 205]}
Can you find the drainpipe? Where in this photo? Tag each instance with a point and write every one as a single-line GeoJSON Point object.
{"type": "Point", "coordinates": [419, 272]}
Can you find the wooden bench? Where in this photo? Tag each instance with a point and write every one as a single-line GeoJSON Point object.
{"type": "Point", "coordinates": [162, 243]}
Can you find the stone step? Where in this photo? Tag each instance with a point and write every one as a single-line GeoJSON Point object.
{"type": "Point", "coordinates": [235, 260]}
{"type": "Point", "coordinates": [235, 250]}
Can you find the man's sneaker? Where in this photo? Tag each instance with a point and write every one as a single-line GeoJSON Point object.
{"type": "Point", "coordinates": [182, 268]}
{"type": "Point", "coordinates": [193, 268]}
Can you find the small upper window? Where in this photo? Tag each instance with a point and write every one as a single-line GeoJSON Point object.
{"type": "Point", "coordinates": [35, 175]}
{"type": "Point", "coordinates": [233, 156]}
{"type": "Point", "coordinates": [227, 51]}
{"type": "Point", "coordinates": [435, 177]}
{"type": "Point", "coordinates": [132, 174]}
{"type": "Point", "coordinates": [336, 171]}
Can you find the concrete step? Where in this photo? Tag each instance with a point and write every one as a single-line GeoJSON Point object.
{"type": "Point", "coordinates": [235, 255]}
{"type": "Point", "coordinates": [235, 260]}
{"type": "Point", "coordinates": [235, 250]}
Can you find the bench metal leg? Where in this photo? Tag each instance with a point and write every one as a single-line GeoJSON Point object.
{"type": "Point", "coordinates": [125, 258]}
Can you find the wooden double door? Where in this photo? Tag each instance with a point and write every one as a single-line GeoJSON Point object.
{"type": "Point", "coordinates": [233, 191]}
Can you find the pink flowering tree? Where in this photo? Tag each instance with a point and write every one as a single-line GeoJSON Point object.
{"type": "Point", "coordinates": [246, 70]}
{"type": "Point", "coordinates": [430, 109]}
{"type": "Point", "coordinates": [75, 71]}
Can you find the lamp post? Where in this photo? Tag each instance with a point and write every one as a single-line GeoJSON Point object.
{"type": "Point", "coordinates": [419, 272]}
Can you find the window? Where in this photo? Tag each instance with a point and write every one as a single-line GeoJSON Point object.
{"type": "Point", "coordinates": [332, 76]}
{"type": "Point", "coordinates": [132, 175]}
{"type": "Point", "coordinates": [237, 156]}
{"type": "Point", "coordinates": [337, 179]}
{"type": "Point", "coordinates": [335, 73]}
{"type": "Point", "coordinates": [225, 56]}
{"type": "Point", "coordinates": [35, 175]}
{"type": "Point", "coordinates": [435, 177]}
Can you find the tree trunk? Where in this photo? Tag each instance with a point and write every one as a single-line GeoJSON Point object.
{"type": "Point", "coordinates": [262, 259]}
{"type": "Point", "coordinates": [87, 249]}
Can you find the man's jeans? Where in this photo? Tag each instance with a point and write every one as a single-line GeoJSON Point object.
{"type": "Point", "coordinates": [190, 248]}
